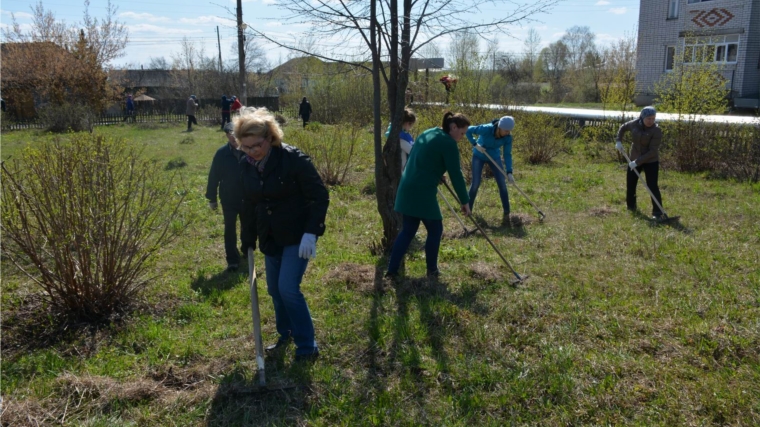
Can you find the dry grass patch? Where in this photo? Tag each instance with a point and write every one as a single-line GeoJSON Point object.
{"type": "Point", "coordinates": [489, 273]}
{"type": "Point", "coordinates": [602, 211]}
{"type": "Point", "coordinates": [355, 276]}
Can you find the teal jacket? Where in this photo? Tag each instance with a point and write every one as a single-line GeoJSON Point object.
{"type": "Point", "coordinates": [487, 138]}
{"type": "Point", "coordinates": [433, 154]}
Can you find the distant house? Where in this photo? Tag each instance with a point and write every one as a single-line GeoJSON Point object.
{"type": "Point", "coordinates": [728, 30]}
{"type": "Point", "coordinates": [155, 83]}
{"type": "Point", "coordinates": [297, 74]}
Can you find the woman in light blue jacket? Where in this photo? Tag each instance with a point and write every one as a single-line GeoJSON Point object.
{"type": "Point", "coordinates": [491, 138]}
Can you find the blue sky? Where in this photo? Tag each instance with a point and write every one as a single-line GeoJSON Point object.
{"type": "Point", "coordinates": [156, 27]}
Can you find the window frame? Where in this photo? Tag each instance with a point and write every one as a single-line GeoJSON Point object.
{"type": "Point", "coordinates": [674, 7]}
{"type": "Point", "coordinates": [670, 57]}
{"type": "Point", "coordinates": [693, 47]}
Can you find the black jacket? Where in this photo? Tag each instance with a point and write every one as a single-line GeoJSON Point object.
{"type": "Point", "coordinates": [225, 175]}
{"type": "Point", "coordinates": [287, 200]}
{"type": "Point", "coordinates": [304, 110]}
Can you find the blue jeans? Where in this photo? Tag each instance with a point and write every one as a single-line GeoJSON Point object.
{"type": "Point", "coordinates": [292, 316]}
{"type": "Point", "coordinates": [477, 171]}
{"type": "Point", "coordinates": [231, 217]}
{"type": "Point", "coordinates": [409, 228]}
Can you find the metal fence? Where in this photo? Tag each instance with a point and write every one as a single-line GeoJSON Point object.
{"type": "Point", "coordinates": [112, 119]}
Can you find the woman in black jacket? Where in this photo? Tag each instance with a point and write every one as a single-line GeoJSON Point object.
{"type": "Point", "coordinates": [284, 209]}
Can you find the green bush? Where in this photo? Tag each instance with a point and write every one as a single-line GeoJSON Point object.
{"type": "Point", "coordinates": [82, 218]}
{"type": "Point", "coordinates": [539, 138]}
{"type": "Point", "coordinates": [67, 117]}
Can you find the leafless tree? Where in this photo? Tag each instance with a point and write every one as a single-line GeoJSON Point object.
{"type": "Point", "coordinates": [579, 40]}
{"type": "Point", "coordinates": [531, 50]}
{"type": "Point", "coordinates": [384, 34]}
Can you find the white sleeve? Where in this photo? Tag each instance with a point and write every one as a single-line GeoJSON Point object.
{"type": "Point", "coordinates": [406, 147]}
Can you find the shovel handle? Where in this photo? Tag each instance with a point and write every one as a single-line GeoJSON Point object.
{"type": "Point", "coordinates": [256, 318]}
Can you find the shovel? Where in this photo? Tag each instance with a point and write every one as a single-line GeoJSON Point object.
{"type": "Point", "coordinates": [256, 319]}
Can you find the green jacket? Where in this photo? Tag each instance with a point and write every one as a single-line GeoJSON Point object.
{"type": "Point", "coordinates": [433, 154]}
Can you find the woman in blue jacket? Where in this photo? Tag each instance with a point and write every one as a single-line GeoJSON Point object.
{"type": "Point", "coordinates": [492, 137]}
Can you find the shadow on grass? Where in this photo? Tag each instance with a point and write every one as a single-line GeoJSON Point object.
{"type": "Point", "coordinates": [241, 401]}
{"type": "Point", "coordinates": [32, 325]}
{"type": "Point", "coordinates": [673, 223]}
{"type": "Point", "coordinates": [221, 281]}
{"type": "Point", "coordinates": [403, 356]}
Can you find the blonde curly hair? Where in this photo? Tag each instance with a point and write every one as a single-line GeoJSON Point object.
{"type": "Point", "coordinates": [257, 122]}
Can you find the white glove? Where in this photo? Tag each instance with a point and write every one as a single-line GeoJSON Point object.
{"type": "Point", "coordinates": [212, 205]}
{"type": "Point", "coordinates": [308, 248]}
{"type": "Point", "coordinates": [632, 165]}
{"type": "Point", "coordinates": [510, 178]}
{"type": "Point", "coordinates": [618, 145]}
{"type": "Point", "coordinates": [480, 148]}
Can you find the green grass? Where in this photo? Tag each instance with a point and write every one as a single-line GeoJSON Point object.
{"type": "Point", "coordinates": [619, 323]}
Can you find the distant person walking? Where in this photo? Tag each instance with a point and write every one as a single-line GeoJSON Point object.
{"type": "Point", "coordinates": [645, 156]}
{"type": "Point", "coordinates": [130, 109]}
{"type": "Point", "coordinates": [226, 104]}
{"type": "Point", "coordinates": [192, 106]}
{"type": "Point", "coordinates": [304, 111]}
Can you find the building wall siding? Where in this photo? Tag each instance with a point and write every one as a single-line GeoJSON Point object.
{"type": "Point", "coordinates": [656, 32]}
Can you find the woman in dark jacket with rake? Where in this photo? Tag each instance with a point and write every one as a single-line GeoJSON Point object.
{"type": "Point", "coordinates": [645, 156]}
{"type": "Point", "coordinates": [284, 209]}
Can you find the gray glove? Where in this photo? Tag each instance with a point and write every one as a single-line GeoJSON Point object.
{"type": "Point", "coordinates": [510, 178]}
{"type": "Point", "coordinates": [618, 145]}
{"type": "Point", "coordinates": [632, 165]}
{"type": "Point", "coordinates": [212, 205]}
{"type": "Point", "coordinates": [308, 248]}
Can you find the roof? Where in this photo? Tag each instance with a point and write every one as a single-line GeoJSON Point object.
{"type": "Point", "coordinates": [143, 78]}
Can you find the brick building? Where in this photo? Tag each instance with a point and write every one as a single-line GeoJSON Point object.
{"type": "Point", "coordinates": [726, 31]}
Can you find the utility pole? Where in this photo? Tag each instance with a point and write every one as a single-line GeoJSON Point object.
{"type": "Point", "coordinates": [241, 51]}
{"type": "Point", "coordinates": [219, 43]}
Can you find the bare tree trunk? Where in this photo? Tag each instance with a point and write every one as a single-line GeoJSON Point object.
{"type": "Point", "coordinates": [387, 160]}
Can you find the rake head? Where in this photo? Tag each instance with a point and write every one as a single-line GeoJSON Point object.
{"type": "Point", "coordinates": [665, 219]}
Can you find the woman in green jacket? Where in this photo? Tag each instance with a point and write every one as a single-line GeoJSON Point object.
{"type": "Point", "coordinates": [434, 153]}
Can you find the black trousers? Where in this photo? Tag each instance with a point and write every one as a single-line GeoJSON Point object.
{"type": "Point", "coordinates": [651, 172]}
{"type": "Point", "coordinates": [190, 121]}
{"type": "Point", "coordinates": [225, 118]}
{"type": "Point", "coordinates": [231, 219]}
{"type": "Point", "coordinates": [305, 119]}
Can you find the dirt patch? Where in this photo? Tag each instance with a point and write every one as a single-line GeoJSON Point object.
{"type": "Point", "coordinates": [486, 272]}
{"type": "Point", "coordinates": [602, 211]}
{"type": "Point", "coordinates": [521, 220]}
{"type": "Point", "coordinates": [354, 276]}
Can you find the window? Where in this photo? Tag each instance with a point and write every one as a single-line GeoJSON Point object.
{"type": "Point", "coordinates": [673, 9]}
{"type": "Point", "coordinates": [696, 1]}
{"type": "Point", "coordinates": [711, 49]}
{"type": "Point", "coordinates": [670, 57]}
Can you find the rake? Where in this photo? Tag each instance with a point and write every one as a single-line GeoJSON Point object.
{"type": "Point", "coordinates": [517, 276]}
